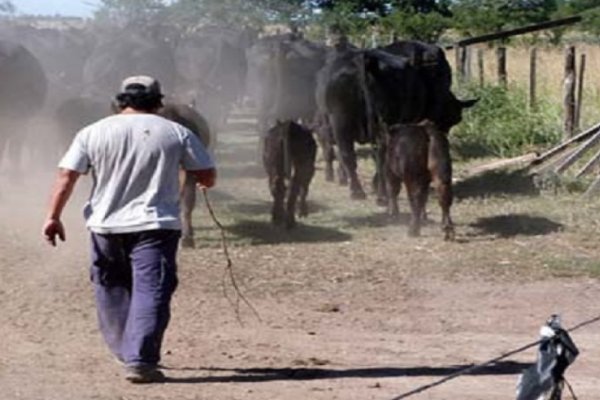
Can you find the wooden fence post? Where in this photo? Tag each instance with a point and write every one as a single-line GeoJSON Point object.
{"type": "Point", "coordinates": [461, 58]}
{"type": "Point", "coordinates": [480, 67]}
{"type": "Point", "coordinates": [579, 102]}
{"type": "Point", "coordinates": [569, 92]}
{"type": "Point", "coordinates": [502, 74]}
{"type": "Point", "coordinates": [467, 63]}
{"type": "Point", "coordinates": [363, 42]}
{"type": "Point", "coordinates": [374, 40]}
{"type": "Point", "coordinates": [532, 78]}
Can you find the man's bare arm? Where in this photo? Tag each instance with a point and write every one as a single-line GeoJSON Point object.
{"type": "Point", "coordinates": [63, 187]}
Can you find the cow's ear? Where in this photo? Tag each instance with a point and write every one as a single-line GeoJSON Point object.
{"type": "Point", "coordinates": [468, 103]}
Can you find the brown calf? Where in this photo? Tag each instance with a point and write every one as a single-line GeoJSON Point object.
{"type": "Point", "coordinates": [289, 155]}
{"type": "Point", "coordinates": [191, 119]}
{"type": "Point", "coordinates": [416, 155]}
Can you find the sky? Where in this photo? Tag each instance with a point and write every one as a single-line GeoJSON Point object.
{"type": "Point", "coordinates": [79, 8]}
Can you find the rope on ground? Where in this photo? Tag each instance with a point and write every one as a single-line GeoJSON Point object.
{"type": "Point", "coordinates": [475, 367]}
{"type": "Point", "coordinates": [229, 274]}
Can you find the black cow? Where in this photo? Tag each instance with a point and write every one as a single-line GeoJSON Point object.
{"type": "Point", "coordinates": [73, 114]}
{"type": "Point", "coordinates": [127, 52]}
{"type": "Point", "coordinates": [416, 155]}
{"type": "Point", "coordinates": [438, 104]}
{"type": "Point", "coordinates": [282, 78]}
{"type": "Point", "coordinates": [345, 107]}
{"type": "Point", "coordinates": [23, 88]}
{"type": "Point", "coordinates": [61, 52]}
{"type": "Point", "coordinates": [289, 156]}
{"type": "Point", "coordinates": [191, 119]}
{"type": "Point", "coordinates": [363, 91]}
{"type": "Point", "coordinates": [211, 70]}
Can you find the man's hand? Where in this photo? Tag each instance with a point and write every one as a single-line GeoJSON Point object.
{"type": "Point", "coordinates": [52, 228]}
{"type": "Point", "coordinates": [63, 187]}
{"type": "Point", "coordinates": [205, 178]}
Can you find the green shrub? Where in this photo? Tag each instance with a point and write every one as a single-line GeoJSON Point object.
{"type": "Point", "coordinates": [411, 25]}
{"type": "Point", "coordinates": [502, 124]}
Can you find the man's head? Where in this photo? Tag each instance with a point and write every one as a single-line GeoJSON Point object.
{"type": "Point", "coordinates": [141, 93]}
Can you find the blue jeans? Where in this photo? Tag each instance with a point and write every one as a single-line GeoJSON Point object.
{"type": "Point", "coordinates": [134, 277]}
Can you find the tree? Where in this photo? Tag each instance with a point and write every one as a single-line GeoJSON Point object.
{"type": "Point", "coordinates": [189, 14]}
{"type": "Point", "coordinates": [408, 24]}
{"type": "Point", "coordinates": [378, 7]}
{"type": "Point", "coordinates": [424, 6]}
{"type": "Point", "coordinates": [343, 18]}
{"type": "Point", "coordinates": [588, 9]}
{"type": "Point", "coordinates": [476, 17]}
{"type": "Point", "coordinates": [7, 7]}
{"type": "Point", "coordinates": [578, 6]}
{"type": "Point", "coordinates": [129, 11]}
{"type": "Point", "coordinates": [424, 20]}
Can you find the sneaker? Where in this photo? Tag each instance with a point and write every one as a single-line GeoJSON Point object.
{"type": "Point", "coordinates": [119, 361]}
{"type": "Point", "coordinates": [144, 374]}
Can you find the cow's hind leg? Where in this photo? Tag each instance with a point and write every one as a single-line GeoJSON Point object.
{"type": "Point", "coordinates": [277, 187]}
{"type": "Point", "coordinates": [417, 195]}
{"type": "Point", "coordinates": [444, 192]}
{"type": "Point", "coordinates": [328, 156]}
{"type": "Point", "coordinates": [379, 184]}
{"type": "Point", "coordinates": [188, 201]}
{"type": "Point", "coordinates": [440, 167]}
{"type": "Point", "coordinates": [342, 175]}
{"type": "Point", "coordinates": [347, 156]}
{"type": "Point", "coordinates": [394, 185]}
{"type": "Point", "coordinates": [307, 173]}
{"type": "Point", "coordinates": [292, 198]}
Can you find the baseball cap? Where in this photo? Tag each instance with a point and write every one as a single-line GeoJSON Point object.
{"type": "Point", "coordinates": [141, 84]}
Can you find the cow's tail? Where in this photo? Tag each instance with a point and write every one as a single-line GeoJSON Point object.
{"type": "Point", "coordinates": [369, 123]}
{"type": "Point", "coordinates": [287, 152]}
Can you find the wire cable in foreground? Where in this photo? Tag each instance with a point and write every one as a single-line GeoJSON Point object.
{"type": "Point", "coordinates": [475, 367]}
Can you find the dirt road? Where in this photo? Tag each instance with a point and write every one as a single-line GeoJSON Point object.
{"type": "Point", "coordinates": [350, 308]}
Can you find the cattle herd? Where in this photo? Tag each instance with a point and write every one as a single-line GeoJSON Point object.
{"type": "Point", "coordinates": [397, 98]}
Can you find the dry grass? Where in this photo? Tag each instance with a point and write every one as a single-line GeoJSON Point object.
{"type": "Point", "coordinates": [506, 226]}
{"type": "Point", "coordinates": [550, 73]}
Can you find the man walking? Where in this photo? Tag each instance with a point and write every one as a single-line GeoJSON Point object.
{"type": "Point", "coordinates": [133, 216]}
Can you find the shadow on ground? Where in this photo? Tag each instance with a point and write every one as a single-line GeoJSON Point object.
{"type": "Point", "coordinates": [377, 220]}
{"type": "Point", "coordinates": [282, 374]}
{"type": "Point", "coordinates": [507, 226]}
{"type": "Point", "coordinates": [264, 207]}
{"type": "Point", "coordinates": [260, 232]}
{"type": "Point", "coordinates": [518, 182]}
{"type": "Point", "coordinates": [216, 194]}
{"type": "Point", "coordinates": [241, 152]}
{"type": "Point", "coordinates": [249, 170]}
{"type": "Point", "coordinates": [245, 126]}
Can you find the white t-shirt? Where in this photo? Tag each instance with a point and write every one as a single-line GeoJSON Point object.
{"type": "Point", "coordinates": [135, 161]}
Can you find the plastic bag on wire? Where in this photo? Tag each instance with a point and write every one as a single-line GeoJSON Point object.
{"type": "Point", "coordinates": [545, 379]}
